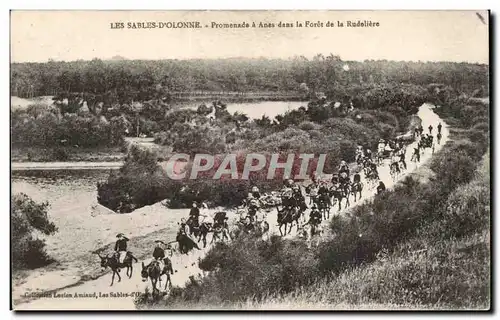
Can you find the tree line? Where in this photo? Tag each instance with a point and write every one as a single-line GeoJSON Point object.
{"type": "Point", "coordinates": [127, 80]}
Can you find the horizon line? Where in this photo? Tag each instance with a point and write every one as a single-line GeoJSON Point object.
{"type": "Point", "coordinates": [119, 58]}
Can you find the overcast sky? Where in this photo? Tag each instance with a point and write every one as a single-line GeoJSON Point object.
{"type": "Point", "coordinates": [402, 35]}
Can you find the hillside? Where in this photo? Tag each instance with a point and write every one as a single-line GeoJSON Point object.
{"type": "Point", "coordinates": [423, 245]}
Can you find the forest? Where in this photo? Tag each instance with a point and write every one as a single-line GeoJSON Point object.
{"type": "Point", "coordinates": [123, 81]}
{"type": "Point", "coordinates": [98, 102]}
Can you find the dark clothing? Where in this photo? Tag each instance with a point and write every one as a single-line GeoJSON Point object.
{"type": "Point", "coordinates": [323, 190]}
{"type": "Point", "coordinates": [256, 195]}
{"type": "Point", "coordinates": [344, 169]}
{"type": "Point", "coordinates": [380, 188]}
{"type": "Point", "coordinates": [194, 212]}
{"type": "Point", "coordinates": [159, 253]}
{"type": "Point", "coordinates": [287, 202]}
{"type": "Point", "coordinates": [315, 217]}
{"type": "Point", "coordinates": [297, 194]}
{"type": "Point", "coordinates": [248, 227]}
{"type": "Point", "coordinates": [439, 128]}
{"type": "Point", "coordinates": [403, 161]}
{"type": "Point", "coordinates": [121, 245]}
{"type": "Point", "coordinates": [182, 229]}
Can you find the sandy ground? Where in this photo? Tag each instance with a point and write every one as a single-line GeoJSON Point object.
{"type": "Point", "coordinates": [102, 227]}
{"type": "Point", "coordinates": [78, 165]}
{"type": "Point", "coordinates": [21, 103]}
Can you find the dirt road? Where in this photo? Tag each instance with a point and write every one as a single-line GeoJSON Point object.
{"type": "Point", "coordinates": [187, 266]}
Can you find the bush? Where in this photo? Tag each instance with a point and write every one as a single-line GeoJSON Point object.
{"type": "Point", "coordinates": [140, 182]}
{"type": "Point", "coordinates": [51, 128]}
{"type": "Point", "coordinates": [26, 217]}
{"type": "Point", "coordinates": [60, 154]}
{"type": "Point", "coordinates": [307, 126]}
{"type": "Point", "coordinates": [250, 268]}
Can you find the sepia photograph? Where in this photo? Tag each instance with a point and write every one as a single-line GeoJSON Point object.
{"type": "Point", "coordinates": [250, 160]}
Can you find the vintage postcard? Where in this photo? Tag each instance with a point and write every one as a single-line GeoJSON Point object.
{"type": "Point", "coordinates": [250, 160]}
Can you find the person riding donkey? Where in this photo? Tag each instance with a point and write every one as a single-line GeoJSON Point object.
{"type": "Point", "coordinates": [194, 217]}
{"type": "Point", "coordinates": [312, 190]}
{"type": "Point", "coordinates": [439, 136]}
{"type": "Point", "coordinates": [381, 146]}
{"type": "Point", "coordinates": [121, 247]}
{"type": "Point", "coordinates": [159, 255]}
{"type": "Point", "coordinates": [381, 187]}
{"type": "Point", "coordinates": [298, 197]}
{"type": "Point", "coordinates": [343, 167]}
{"type": "Point", "coordinates": [368, 154]}
{"type": "Point", "coordinates": [335, 180]}
{"type": "Point", "coordinates": [253, 205]}
{"type": "Point", "coordinates": [314, 218]}
{"type": "Point", "coordinates": [402, 157]}
{"type": "Point", "coordinates": [359, 154]}
{"type": "Point", "coordinates": [323, 193]}
{"type": "Point", "coordinates": [185, 241]}
{"type": "Point", "coordinates": [416, 154]}
{"type": "Point", "coordinates": [344, 173]}
{"type": "Point", "coordinates": [287, 194]}
{"type": "Point", "coordinates": [255, 192]}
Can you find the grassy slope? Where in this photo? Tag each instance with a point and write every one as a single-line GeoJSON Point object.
{"type": "Point", "coordinates": [444, 265]}
{"type": "Point", "coordinates": [429, 272]}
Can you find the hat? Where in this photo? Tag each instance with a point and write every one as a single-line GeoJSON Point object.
{"type": "Point", "coordinates": [119, 235]}
{"type": "Point", "coordinates": [159, 241]}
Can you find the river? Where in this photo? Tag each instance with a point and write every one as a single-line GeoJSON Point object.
{"type": "Point", "coordinates": [255, 110]}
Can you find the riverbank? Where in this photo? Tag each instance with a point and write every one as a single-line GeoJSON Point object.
{"type": "Point", "coordinates": [66, 153]}
{"type": "Point", "coordinates": [66, 157]}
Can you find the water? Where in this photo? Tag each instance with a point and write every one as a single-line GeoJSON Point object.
{"type": "Point", "coordinates": [255, 110]}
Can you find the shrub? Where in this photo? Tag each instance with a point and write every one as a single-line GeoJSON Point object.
{"type": "Point", "coordinates": [26, 217]}
{"type": "Point", "coordinates": [251, 269]}
{"type": "Point", "coordinates": [139, 182]}
{"type": "Point", "coordinates": [307, 126]}
{"type": "Point", "coordinates": [60, 154]}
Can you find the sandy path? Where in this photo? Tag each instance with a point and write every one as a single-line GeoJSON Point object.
{"type": "Point", "coordinates": [187, 266]}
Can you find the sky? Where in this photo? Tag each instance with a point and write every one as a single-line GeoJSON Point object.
{"type": "Point", "coordinates": [459, 36]}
